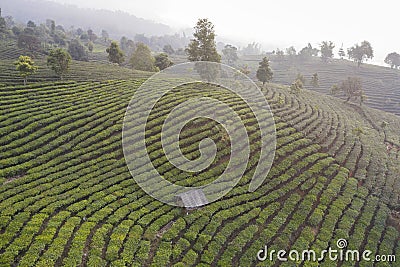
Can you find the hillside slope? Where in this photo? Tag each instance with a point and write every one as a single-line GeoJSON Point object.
{"type": "Point", "coordinates": [381, 84]}
{"type": "Point", "coordinates": [78, 71]}
{"type": "Point", "coordinates": [118, 23]}
{"type": "Point", "coordinates": [68, 198]}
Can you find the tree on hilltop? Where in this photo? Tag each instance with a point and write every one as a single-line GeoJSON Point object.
{"type": "Point", "coordinates": [393, 59]}
{"type": "Point", "coordinates": [360, 53]}
{"type": "Point", "coordinates": [308, 52]}
{"type": "Point", "coordinates": [203, 48]}
{"type": "Point", "coordinates": [291, 51]}
{"type": "Point", "coordinates": [341, 52]}
{"type": "Point", "coordinates": [327, 50]}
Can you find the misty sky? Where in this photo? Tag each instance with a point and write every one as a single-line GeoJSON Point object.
{"type": "Point", "coordinates": [278, 23]}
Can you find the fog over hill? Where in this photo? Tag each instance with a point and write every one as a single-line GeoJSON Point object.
{"type": "Point", "coordinates": [117, 23]}
{"type": "Point", "coordinates": [276, 23]}
{"type": "Point", "coordinates": [273, 24]}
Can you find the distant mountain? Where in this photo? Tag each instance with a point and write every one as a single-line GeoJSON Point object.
{"type": "Point", "coordinates": [117, 23]}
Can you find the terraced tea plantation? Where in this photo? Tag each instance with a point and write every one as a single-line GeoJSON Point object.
{"type": "Point", "coordinates": [79, 71]}
{"type": "Point", "coordinates": [381, 84]}
{"type": "Point", "coordinates": [68, 199]}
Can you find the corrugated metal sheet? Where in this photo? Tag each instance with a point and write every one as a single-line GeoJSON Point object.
{"type": "Point", "coordinates": [193, 198]}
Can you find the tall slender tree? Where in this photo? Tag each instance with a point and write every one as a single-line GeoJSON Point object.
{"type": "Point", "coordinates": [203, 46]}
{"type": "Point", "coordinates": [264, 73]}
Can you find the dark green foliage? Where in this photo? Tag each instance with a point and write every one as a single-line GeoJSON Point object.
{"type": "Point", "coordinates": [30, 24]}
{"type": "Point", "coordinates": [162, 61]}
{"type": "Point", "coordinates": [29, 42]}
{"type": "Point", "coordinates": [264, 72]}
{"type": "Point", "coordinates": [77, 51]}
{"type": "Point", "coordinates": [59, 60]}
{"type": "Point", "coordinates": [115, 55]}
{"type": "Point", "coordinates": [203, 47]}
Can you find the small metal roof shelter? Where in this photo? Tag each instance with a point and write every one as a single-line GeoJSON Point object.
{"type": "Point", "coordinates": [192, 198]}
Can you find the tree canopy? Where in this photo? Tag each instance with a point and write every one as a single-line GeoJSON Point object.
{"type": "Point", "coordinates": [29, 42]}
{"type": "Point", "coordinates": [203, 46]}
{"type": "Point", "coordinates": [351, 88]}
{"type": "Point", "coordinates": [360, 53]}
{"type": "Point", "coordinates": [168, 49]}
{"type": "Point", "coordinates": [115, 54]}
{"type": "Point", "coordinates": [393, 59]}
{"type": "Point", "coordinates": [264, 72]}
{"type": "Point", "coordinates": [308, 52]}
{"type": "Point", "coordinates": [25, 66]}
{"type": "Point", "coordinates": [230, 53]}
{"type": "Point", "coordinates": [142, 59]}
{"type": "Point", "coordinates": [327, 50]}
{"type": "Point", "coordinates": [77, 51]}
{"type": "Point", "coordinates": [59, 60]}
{"type": "Point", "coordinates": [291, 51]}
{"type": "Point", "coordinates": [162, 61]}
